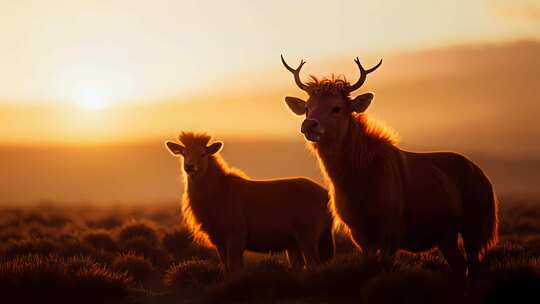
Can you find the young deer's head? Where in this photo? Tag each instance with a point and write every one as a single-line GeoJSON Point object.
{"type": "Point", "coordinates": [329, 105]}
{"type": "Point", "coordinates": [195, 149]}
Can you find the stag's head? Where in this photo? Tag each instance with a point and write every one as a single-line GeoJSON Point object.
{"type": "Point", "coordinates": [329, 105]}
{"type": "Point", "coordinates": [195, 149]}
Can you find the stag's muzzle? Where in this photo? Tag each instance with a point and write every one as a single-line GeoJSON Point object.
{"type": "Point", "coordinates": [312, 130]}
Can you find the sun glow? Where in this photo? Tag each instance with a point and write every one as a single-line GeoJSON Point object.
{"type": "Point", "coordinates": [89, 99]}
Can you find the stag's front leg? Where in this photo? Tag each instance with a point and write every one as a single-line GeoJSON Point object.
{"type": "Point", "coordinates": [388, 249]}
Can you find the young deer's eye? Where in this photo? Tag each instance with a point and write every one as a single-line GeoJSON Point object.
{"type": "Point", "coordinates": [336, 110]}
{"type": "Point", "coordinates": [203, 154]}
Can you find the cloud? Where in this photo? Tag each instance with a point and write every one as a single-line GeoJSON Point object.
{"type": "Point", "coordinates": [524, 10]}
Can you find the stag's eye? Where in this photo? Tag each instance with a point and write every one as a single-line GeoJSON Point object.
{"type": "Point", "coordinates": [336, 110]}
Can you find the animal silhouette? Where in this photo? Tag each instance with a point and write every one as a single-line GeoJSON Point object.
{"type": "Point", "coordinates": [389, 198]}
{"type": "Point", "coordinates": [236, 213]}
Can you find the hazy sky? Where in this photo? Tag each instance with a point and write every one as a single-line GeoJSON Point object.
{"type": "Point", "coordinates": [101, 52]}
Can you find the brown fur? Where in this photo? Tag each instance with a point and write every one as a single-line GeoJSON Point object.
{"type": "Point", "coordinates": [393, 199]}
{"type": "Point", "coordinates": [335, 85]}
{"type": "Point", "coordinates": [235, 213]}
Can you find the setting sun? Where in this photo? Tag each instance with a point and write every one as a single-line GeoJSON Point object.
{"type": "Point", "coordinates": [93, 103]}
{"type": "Point", "coordinates": [91, 99]}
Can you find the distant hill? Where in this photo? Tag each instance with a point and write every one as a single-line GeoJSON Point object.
{"type": "Point", "coordinates": [147, 173]}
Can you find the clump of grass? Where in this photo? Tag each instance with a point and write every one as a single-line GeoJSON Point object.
{"type": "Point", "coordinates": [342, 277]}
{"type": "Point", "coordinates": [271, 279]}
{"type": "Point", "coordinates": [100, 239]}
{"type": "Point", "coordinates": [97, 284]}
{"type": "Point", "coordinates": [177, 241]}
{"type": "Point", "coordinates": [143, 247]}
{"type": "Point", "coordinates": [105, 222]}
{"type": "Point", "coordinates": [29, 246]}
{"type": "Point", "coordinates": [135, 265]}
{"type": "Point", "coordinates": [193, 273]}
{"type": "Point", "coordinates": [52, 279]}
{"type": "Point", "coordinates": [411, 287]}
{"type": "Point", "coordinates": [431, 260]}
{"type": "Point", "coordinates": [197, 251]}
{"type": "Point", "coordinates": [516, 281]}
{"type": "Point", "coordinates": [504, 252]}
{"type": "Point", "coordinates": [74, 247]}
{"type": "Point", "coordinates": [138, 230]}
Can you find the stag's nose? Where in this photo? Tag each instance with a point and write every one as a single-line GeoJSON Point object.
{"type": "Point", "coordinates": [312, 130]}
{"type": "Point", "coordinates": [310, 125]}
{"type": "Point", "coordinates": [189, 168]}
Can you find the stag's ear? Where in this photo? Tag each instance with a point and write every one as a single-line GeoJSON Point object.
{"type": "Point", "coordinates": [214, 148]}
{"type": "Point", "coordinates": [297, 105]}
{"type": "Point", "coordinates": [361, 102]}
{"type": "Point", "coordinates": [175, 148]}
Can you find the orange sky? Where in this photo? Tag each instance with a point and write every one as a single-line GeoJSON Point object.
{"type": "Point", "coordinates": [106, 71]}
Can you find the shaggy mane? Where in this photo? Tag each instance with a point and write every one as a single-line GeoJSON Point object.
{"type": "Point", "coordinates": [194, 138]}
{"type": "Point", "coordinates": [376, 129]}
{"type": "Point", "coordinates": [335, 85]}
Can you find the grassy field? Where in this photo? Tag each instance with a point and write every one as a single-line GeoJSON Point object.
{"type": "Point", "coordinates": [143, 254]}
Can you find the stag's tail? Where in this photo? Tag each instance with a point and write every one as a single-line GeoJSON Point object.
{"type": "Point", "coordinates": [327, 245]}
{"type": "Point", "coordinates": [480, 210]}
{"type": "Point", "coordinates": [489, 234]}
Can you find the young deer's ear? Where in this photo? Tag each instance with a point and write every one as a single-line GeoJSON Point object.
{"type": "Point", "coordinates": [214, 148]}
{"type": "Point", "coordinates": [361, 102]}
{"type": "Point", "coordinates": [175, 148]}
{"type": "Point", "coordinates": [297, 105]}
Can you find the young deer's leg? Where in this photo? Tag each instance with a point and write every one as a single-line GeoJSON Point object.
{"type": "Point", "coordinates": [235, 253]}
{"type": "Point", "coordinates": [222, 252]}
{"type": "Point", "coordinates": [294, 255]}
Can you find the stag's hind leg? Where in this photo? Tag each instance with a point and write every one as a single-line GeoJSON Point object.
{"type": "Point", "coordinates": [309, 245]}
{"type": "Point", "coordinates": [472, 249]}
{"type": "Point", "coordinates": [454, 257]}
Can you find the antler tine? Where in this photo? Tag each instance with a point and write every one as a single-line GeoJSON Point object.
{"type": "Point", "coordinates": [363, 74]}
{"type": "Point", "coordinates": [296, 73]}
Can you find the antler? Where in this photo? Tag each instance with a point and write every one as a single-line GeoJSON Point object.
{"type": "Point", "coordinates": [363, 74]}
{"type": "Point", "coordinates": [296, 73]}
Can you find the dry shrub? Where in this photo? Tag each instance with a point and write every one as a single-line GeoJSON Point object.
{"type": "Point", "coordinates": [504, 252]}
{"type": "Point", "coordinates": [269, 280]}
{"type": "Point", "coordinates": [100, 239]}
{"type": "Point", "coordinates": [343, 276]}
{"type": "Point", "coordinates": [107, 222]}
{"type": "Point", "coordinates": [135, 265]}
{"type": "Point", "coordinates": [411, 287]}
{"type": "Point", "coordinates": [143, 247]}
{"type": "Point", "coordinates": [177, 241]}
{"type": "Point", "coordinates": [193, 273]}
{"type": "Point", "coordinates": [29, 246]}
{"type": "Point", "coordinates": [516, 281]}
{"type": "Point", "coordinates": [74, 247]}
{"type": "Point", "coordinates": [51, 279]}
{"type": "Point", "coordinates": [201, 252]}
{"type": "Point", "coordinates": [431, 260]}
{"type": "Point", "coordinates": [138, 230]}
